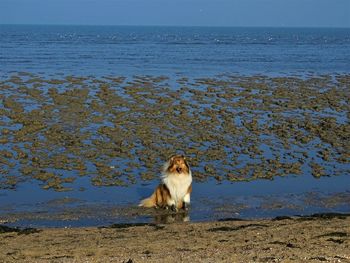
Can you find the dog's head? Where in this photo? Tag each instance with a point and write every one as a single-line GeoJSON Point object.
{"type": "Point", "coordinates": [177, 164]}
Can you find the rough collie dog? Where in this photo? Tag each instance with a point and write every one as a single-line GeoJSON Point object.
{"type": "Point", "coordinates": [175, 188]}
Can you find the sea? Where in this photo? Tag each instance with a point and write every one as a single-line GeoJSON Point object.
{"type": "Point", "coordinates": [157, 50]}
{"type": "Point", "coordinates": [55, 50]}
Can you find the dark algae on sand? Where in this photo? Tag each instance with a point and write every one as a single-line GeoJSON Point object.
{"type": "Point", "coordinates": [118, 130]}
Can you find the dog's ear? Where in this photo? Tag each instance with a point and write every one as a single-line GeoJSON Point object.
{"type": "Point", "coordinates": [185, 161]}
{"type": "Point", "coordinates": [171, 159]}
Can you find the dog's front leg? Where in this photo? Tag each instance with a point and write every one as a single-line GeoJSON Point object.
{"type": "Point", "coordinates": [187, 201]}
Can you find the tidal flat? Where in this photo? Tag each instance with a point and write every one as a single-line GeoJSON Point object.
{"type": "Point", "coordinates": [116, 131]}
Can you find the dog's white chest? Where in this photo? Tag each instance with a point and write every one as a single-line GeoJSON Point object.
{"type": "Point", "coordinates": [178, 185]}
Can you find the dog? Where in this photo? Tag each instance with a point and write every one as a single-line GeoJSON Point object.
{"type": "Point", "coordinates": [175, 189]}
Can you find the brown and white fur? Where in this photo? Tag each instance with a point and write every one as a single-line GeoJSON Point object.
{"type": "Point", "coordinates": [176, 186]}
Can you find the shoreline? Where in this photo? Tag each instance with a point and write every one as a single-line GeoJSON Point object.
{"type": "Point", "coordinates": [320, 237]}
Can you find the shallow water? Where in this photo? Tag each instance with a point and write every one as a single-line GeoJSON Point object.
{"type": "Point", "coordinates": [97, 206]}
{"type": "Point", "coordinates": [262, 115]}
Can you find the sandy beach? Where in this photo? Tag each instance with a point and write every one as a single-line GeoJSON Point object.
{"type": "Point", "coordinates": [317, 238]}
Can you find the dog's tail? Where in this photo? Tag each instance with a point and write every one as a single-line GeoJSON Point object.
{"type": "Point", "coordinates": [149, 202]}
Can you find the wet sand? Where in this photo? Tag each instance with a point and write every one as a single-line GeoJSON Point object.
{"type": "Point", "coordinates": [323, 237]}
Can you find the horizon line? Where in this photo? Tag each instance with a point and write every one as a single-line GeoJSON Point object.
{"type": "Point", "coordinates": [150, 25]}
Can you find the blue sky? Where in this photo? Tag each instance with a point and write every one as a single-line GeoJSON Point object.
{"type": "Point", "coordinates": [300, 13]}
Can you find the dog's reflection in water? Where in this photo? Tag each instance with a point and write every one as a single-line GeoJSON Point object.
{"type": "Point", "coordinates": [166, 218]}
